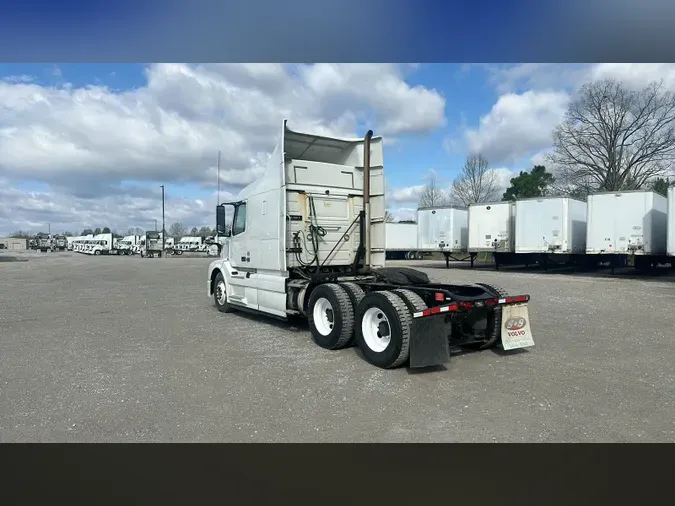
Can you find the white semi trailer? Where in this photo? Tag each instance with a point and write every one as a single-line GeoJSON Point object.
{"type": "Point", "coordinates": [401, 240]}
{"type": "Point", "coordinates": [307, 239]}
{"type": "Point", "coordinates": [627, 224]}
{"type": "Point", "coordinates": [492, 229]}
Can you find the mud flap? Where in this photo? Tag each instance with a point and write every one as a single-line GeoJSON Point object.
{"type": "Point", "coordinates": [428, 342]}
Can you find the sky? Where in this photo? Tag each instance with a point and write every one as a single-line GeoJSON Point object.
{"type": "Point", "coordinates": [88, 145]}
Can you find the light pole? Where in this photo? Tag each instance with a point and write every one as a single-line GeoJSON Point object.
{"type": "Point", "coordinates": [163, 225]}
{"type": "Point", "coordinates": [218, 194]}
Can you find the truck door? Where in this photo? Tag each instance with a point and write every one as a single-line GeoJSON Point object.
{"type": "Point", "coordinates": [242, 277]}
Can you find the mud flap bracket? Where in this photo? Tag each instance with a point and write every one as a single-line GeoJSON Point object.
{"type": "Point", "coordinates": [429, 342]}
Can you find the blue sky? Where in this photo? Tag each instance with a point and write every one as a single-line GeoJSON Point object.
{"type": "Point", "coordinates": [86, 145]}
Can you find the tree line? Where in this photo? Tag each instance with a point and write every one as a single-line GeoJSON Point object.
{"type": "Point", "coordinates": [176, 230]}
{"type": "Point", "coordinates": [612, 138]}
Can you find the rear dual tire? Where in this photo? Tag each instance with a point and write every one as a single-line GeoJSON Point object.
{"type": "Point", "coordinates": [383, 329]}
{"type": "Point", "coordinates": [379, 322]}
{"type": "Point", "coordinates": [331, 316]}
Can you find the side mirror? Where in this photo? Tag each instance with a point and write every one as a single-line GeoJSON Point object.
{"type": "Point", "coordinates": [221, 225]}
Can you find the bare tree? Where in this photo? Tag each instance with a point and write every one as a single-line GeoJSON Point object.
{"type": "Point", "coordinates": [475, 183]}
{"type": "Point", "coordinates": [613, 138]}
{"type": "Point", "coordinates": [205, 232]}
{"type": "Point", "coordinates": [432, 194]}
{"type": "Point", "coordinates": [177, 230]}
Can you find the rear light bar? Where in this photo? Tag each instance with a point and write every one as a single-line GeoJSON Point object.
{"type": "Point", "coordinates": [507, 300]}
{"type": "Point", "coordinates": [456, 306]}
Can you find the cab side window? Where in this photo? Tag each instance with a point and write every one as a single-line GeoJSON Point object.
{"type": "Point", "coordinates": [239, 220]}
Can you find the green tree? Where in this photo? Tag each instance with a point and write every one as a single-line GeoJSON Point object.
{"type": "Point", "coordinates": [660, 186]}
{"type": "Point", "coordinates": [87, 231]}
{"type": "Point", "coordinates": [97, 231]}
{"type": "Point", "coordinates": [529, 184]}
{"type": "Point", "coordinates": [105, 230]}
{"type": "Point", "coordinates": [194, 231]}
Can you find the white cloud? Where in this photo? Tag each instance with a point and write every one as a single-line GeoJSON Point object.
{"type": "Point", "coordinates": [503, 177]}
{"type": "Point", "coordinates": [404, 213]}
{"type": "Point", "coordinates": [138, 207]}
{"type": "Point", "coordinates": [533, 99]}
{"type": "Point", "coordinates": [85, 141]}
{"type": "Point", "coordinates": [635, 75]}
{"type": "Point", "coordinates": [405, 194]}
{"type": "Point", "coordinates": [517, 125]}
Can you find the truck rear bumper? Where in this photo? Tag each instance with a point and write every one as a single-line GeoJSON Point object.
{"type": "Point", "coordinates": [429, 339]}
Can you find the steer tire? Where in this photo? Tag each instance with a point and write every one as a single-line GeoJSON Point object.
{"type": "Point", "coordinates": [332, 327]}
{"type": "Point", "coordinates": [378, 306]}
{"type": "Point", "coordinates": [219, 284]}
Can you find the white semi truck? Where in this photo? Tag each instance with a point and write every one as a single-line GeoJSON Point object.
{"type": "Point", "coordinates": [125, 246]}
{"type": "Point", "coordinates": [307, 239]}
{"type": "Point", "coordinates": [101, 244]}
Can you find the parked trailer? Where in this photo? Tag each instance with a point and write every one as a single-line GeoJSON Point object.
{"type": "Point", "coordinates": [492, 229]}
{"type": "Point", "coordinates": [628, 224]}
{"type": "Point", "coordinates": [444, 229]}
{"type": "Point", "coordinates": [310, 242]}
{"type": "Point", "coordinates": [548, 228]}
{"type": "Point", "coordinates": [401, 241]}
{"type": "Point", "coordinates": [671, 225]}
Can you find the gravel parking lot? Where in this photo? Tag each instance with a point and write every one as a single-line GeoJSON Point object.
{"type": "Point", "coordinates": [127, 349]}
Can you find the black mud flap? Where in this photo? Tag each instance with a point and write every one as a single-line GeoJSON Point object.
{"type": "Point", "coordinates": [429, 342]}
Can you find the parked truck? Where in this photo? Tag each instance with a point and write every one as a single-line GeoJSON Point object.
{"type": "Point", "coordinates": [126, 244]}
{"type": "Point", "coordinates": [60, 242]}
{"type": "Point", "coordinates": [153, 244]}
{"type": "Point", "coordinates": [307, 239]}
{"type": "Point", "coordinates": [43, 242]}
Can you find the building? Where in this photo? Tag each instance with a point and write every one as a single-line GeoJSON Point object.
{"type": "Point", "coordinates": [13, 243]}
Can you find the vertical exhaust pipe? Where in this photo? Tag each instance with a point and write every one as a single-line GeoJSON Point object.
{"type": "Point", "coordinates": [366, 194]}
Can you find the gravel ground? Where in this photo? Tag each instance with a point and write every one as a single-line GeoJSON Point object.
{"type": "Point", "coordinates": [126, 349]}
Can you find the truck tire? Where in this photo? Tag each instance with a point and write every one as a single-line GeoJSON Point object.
{"type": "Point", "coordinates": [411, 299]}
{"type": "Point", "coordinates": [355, 293]}
{"type": "Point", "coordinates": [493, 332]}
{"type": "Point", "coordinates": [220, 294]}
{"type": "Point", "coordinates": [331, 316]}
{"type": "Point", "coordinates": [383, 329]}
{"type": "Point", "coordinates": [97, 252]}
